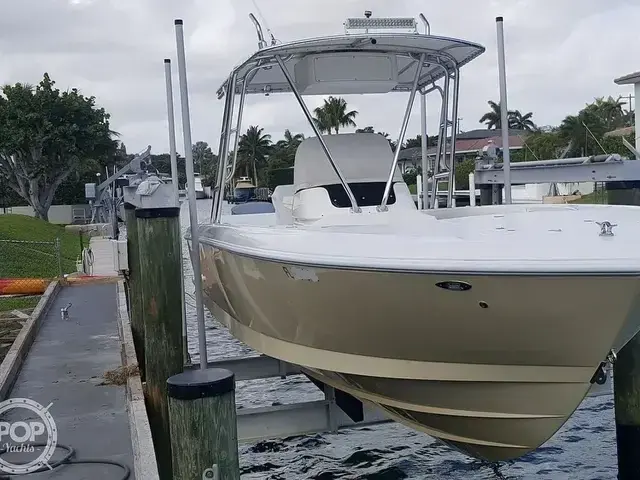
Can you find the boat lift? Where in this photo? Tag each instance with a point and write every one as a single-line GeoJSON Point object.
{"type": "Point", "coordinates": [105, 199]}
{"type": "Point", "coordinates": [613, 170]}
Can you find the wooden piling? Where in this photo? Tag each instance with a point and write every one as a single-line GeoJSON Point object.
{"type": "Point", "coordinates": [204, 436]}
{"type": "Point", "coordinates": [160, 279]}
{"type": "Point", "coordinates": [626, 369]}
{"type": "Point", "coordinates": [133, 283]}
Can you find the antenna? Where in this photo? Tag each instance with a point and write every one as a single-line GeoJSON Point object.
{"type": "Point", "coordinates": [427, 26]}
{"type": "Point", "coordinates": [524, 142]}
{"type": "Point", "coordinates": [264, 20]}
{"type": "Point", "coordinates": [261, 42]}
{"type": "Point", "coordinates": [594, 137]}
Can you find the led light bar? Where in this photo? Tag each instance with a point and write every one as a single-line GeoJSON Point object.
{"type": "Point", "coordinates": [381, 23]}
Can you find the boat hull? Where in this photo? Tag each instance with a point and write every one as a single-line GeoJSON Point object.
{"type": "Point", "coordinates": [494, 369]}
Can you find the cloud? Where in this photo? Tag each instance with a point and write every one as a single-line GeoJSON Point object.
{"type": "Point", "coordinates": [559, 57]}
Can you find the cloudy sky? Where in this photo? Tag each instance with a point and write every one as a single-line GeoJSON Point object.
{"type": "Point", "coordinates": [560, 55]}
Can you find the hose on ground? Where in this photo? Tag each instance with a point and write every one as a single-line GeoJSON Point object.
{"type": "Point", "coordinates": [68, 459]}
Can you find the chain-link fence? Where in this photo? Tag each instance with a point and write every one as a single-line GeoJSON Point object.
{"type": "Point", "coordinates": [26, 269]}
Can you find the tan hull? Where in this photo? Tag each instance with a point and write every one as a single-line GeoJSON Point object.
{"type": "Point", "coordinates": [496, 382]}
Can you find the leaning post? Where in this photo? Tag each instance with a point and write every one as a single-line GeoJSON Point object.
{"type": "Point", "coordinates": [174, 183]}
{"type": "Point", "coordinates": [204, 436]}
{"type": "Point", "coordinates": [160, 278]}
{"type": "Point", "coordinates": [626, 369]}
{"type": "Point", "coordinates": [133, 282]}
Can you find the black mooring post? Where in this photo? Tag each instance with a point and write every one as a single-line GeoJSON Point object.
{"type": "Point", "coordinates": [202, 414]}
{"type": "Point", "coordinates": [626, 369]}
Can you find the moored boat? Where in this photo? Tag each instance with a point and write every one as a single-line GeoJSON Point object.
{"type": "Point", "coordinates": [481, 326]}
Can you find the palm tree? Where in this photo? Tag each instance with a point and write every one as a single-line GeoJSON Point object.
{"type": "Point", "coordinates": [573, 130]}
{"type": "Point", "coordinates": [333, 114]}
{"type": "Point", "coordinates": [370, 129]}
{"type": "Point", "coordinates": [290, 141]}
{"type": "Point", "coordinates": [493, 117]}
{"type": "Point", "coordinates": [253, 148]}
{"type": "Point", "coordinates": [521, 122]}
{"type": "Point", "coordinates": [609, 110]}
{"type": "Point", "coordinates": [285, 149]}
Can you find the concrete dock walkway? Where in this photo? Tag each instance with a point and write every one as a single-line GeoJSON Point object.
{"type": "Point", "coordinates": [65, 366]}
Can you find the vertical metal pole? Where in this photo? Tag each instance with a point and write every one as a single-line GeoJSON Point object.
{"type": "Point", "coordinates": [191, 192]}
{"type": "Point", "coordinates": [504, 117]}
{"type": "Point", "coordinates": [403, 130]}
{"type": "Point", "coordinates": [636, 88]}
{"type": "Point", "coordinates": [452, 188]}
{"type": "Point", "coordinates": [472, 190]}
{"type": "Point", "coordinates": [172, 130]}
{"type": "Point", "coordinates": [243, 95]}
{"type": "Point", "coordinates": [425, 160]}
{"type": "Point", "coordinates": [419, 192]}
{"type": "Point", "coordinates": [219, 191]}
{"type": "Point", "coordinates": [174, 181]}
{"type": "Point", "coordinates": [454, 134]}
{"type": "Point", "coordinates": [59, 256]}
{"type": "Point", "coordinates": [442, 138]}
{"type": "Point", "coordinates": [224, 152]}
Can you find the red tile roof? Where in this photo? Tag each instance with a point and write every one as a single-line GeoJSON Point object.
{"type": "Point", "coordinates": [467, 145]}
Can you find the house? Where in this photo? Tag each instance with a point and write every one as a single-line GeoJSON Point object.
{"type": "Point", "coordinates": [467, 143]}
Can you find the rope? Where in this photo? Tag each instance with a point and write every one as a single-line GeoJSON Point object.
{"type": "Point", "coordinates": [68, 459]}
{"type": "Point", "coordinates": [27, 241]}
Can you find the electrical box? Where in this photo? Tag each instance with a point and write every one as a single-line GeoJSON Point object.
{"type": "Point", "coordinates": [120, 255]}
{"type": "Point", "coordinates": [90, 191]}
{"type": "Point", "coordinates": [345, 73]}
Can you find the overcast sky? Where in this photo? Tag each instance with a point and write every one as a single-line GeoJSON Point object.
{"type": "Point", "coordinates": [560, 55]}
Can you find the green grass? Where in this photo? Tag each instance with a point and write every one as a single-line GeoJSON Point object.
{"type": "Point", "coordinates": [413, 189]}
{"type": "Point", "coordinates": [20, 260]}
{"type": "Point", "coordinates": [18, 303]}
{"type": "Point", "coordinates": [597, 198]}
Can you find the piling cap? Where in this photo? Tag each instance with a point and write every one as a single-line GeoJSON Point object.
{"type": "Point", "coordinates": [194, 384]}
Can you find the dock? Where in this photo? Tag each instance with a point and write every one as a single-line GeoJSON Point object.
{"type": "Point", "coordinates": [66, 365]}
{"type": "Point", "coordinates": [74, 356]}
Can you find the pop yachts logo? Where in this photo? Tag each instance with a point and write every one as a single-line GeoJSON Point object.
{"type": "Point", "coordinates": [34, 438]}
